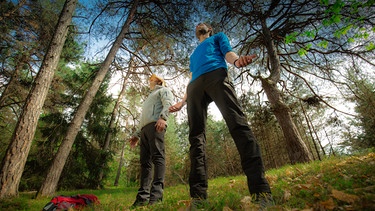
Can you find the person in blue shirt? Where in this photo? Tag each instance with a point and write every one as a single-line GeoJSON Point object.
{"type": "Point", "coordinates": [151, 130]}
{"type": "Point", "coordinates": [209, 83]}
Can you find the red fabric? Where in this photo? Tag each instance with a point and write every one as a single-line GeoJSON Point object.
{"type": "Point", "coordinates": [78, 202]}
{"type": "Point", "coordinates": [91, 197]}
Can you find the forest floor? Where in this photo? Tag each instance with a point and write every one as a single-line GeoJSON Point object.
{"type": "Point", "coordinates": [336, 183]}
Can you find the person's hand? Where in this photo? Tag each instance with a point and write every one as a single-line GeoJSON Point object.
{"type": "Point", "coordinates": [243, 61]}
{"type": "Point", "coordinates": [160, 125]}
{"type": "Point", "coordinates": [176, 107]}
{"type": "Point", "coordinates": [133, 141]}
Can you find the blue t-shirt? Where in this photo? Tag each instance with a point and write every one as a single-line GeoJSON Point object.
{"type": "Point", "coordinates": [209, 55]}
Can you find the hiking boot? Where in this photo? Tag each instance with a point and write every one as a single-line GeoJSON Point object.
{"type": "Point", "coordinates": [153, 202]}
{"type": "Point", "coordinates": [196, 204]}
{"type": "Point", "coordinates": [139, 203]}
{"type": "Point", "coordinates": [264, 200]}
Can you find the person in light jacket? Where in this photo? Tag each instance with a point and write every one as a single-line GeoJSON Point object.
{"type": "Point", "coordinates": [152, 127]}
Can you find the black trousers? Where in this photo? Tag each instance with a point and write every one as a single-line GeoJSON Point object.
{"type": "Point", "coordinates": [215, 86]}
{"type": "Point", "coordinates": [152, 156]}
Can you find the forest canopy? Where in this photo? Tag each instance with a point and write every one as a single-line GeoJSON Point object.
{"type": "Point", "coordinates": [309, 95]}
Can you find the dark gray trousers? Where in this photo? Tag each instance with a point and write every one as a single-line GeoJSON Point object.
{"type": "Point", "coordinates": [152, 156]}
{"type": "Point", "coordinates": [215, 86]}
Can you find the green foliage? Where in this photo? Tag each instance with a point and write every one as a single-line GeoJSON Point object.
{"type": "Point", "coordinates": [86, 157]}
{"type": "Point", "coordinates": [333, 9]}
{"type": "Point", "coordinates": [72, 50]}
{"type": "Point", "coordinates": [362, 94]}
{"type": "Point", "coordinates": [24, 36]}
{"type": "Point", "coordinates": [346, 21]}
{"type": "Point", "coordinates": [303, 51]}
{"type": "Point", "coordinates": [323, 44]}
{"type": "Point", "coordinates": [267, 131]}
{"type": "Point", "coordinates": [352, 22]}
{"type": "Point", "coordinates": [343, 31]}
{"type": "Point", "coordinates": [310, 33]}
{"type": "Point", "coordinates": [291, 38]}
{"type": "Point", "coordinates": [220, 146]}
{"type": "Point", "coordinates": [176, 143]}
{"type": "Point", "coordinates": [16, 204]}
{"type": "Point", "coordinates": [370, 46]}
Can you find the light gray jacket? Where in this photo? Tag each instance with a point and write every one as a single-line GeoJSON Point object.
{"type": "Point", "coordinates": [155, 106]}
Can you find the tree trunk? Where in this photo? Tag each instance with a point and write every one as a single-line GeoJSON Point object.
{"type": "Point", "coordinates": [296, 148]}
{"type": "Point", "coordinates": [121, 163]}
{"type": "Point", "coordinates": [49, 185]}
{"type": "Point", "coordinates": [111, 126]}
{"type": "Point", "coordinates": [310, 126]}
{"type": "Point", "coordinates": [15, 158]}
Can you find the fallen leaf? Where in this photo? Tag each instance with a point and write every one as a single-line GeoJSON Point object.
{"type": "Point", "coordinates": [329, 204]}
{"type": "Point", "coordinates": [184, 202]}
{"type": "Point", "coordinates": [247, 205]}
{"type": "Point", "coordinates": [231, 183]}
{"type": "Point", "coordinates": [286, 195]}
{"type": "Point", "coordinates": [289, 173]}
{"type": "Point", "coordinates": [271, 179]}
{"type": "Point", "coordinates": [246, 200]}
{"type": "Point", "coordinates": [301, 172]}
{"type": "Point", "coordinates": [349, 198]}
{"type": "Point", "coordinates": [349, 208]}
{"type": "Point", "coordinates": [316, 195]}
{"type": "Point", "coordinates": [227, 209]}
{"type": "Point", "coordinates": [303, 186]}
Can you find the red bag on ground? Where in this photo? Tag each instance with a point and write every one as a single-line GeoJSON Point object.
{"type": "Point", "coordinates": [66, 202]}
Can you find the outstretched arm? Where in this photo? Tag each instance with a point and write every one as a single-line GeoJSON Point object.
{"type": "Point", "coordinates": [133, 141]}
{"type": "Point", "coordinates": [239, 61]}
{"type": "Point", "coordinates": [179, 105]}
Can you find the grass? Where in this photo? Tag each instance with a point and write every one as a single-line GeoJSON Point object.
{"type": "Point", "coordinates": [337, 183]}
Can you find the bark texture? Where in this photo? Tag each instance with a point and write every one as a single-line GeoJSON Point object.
{"type": "Point", "coordinates": [15, 158]}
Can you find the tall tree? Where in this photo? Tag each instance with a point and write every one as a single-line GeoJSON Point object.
{"type": "Point", "coordinates": [296, 39]}
{"type": "Point", "coordinates": [19, 147]}
{"type": "Point", "coordinates": [112, 125]}
{"type": "Point", "coordinates": [49, 185]}
{"type": "Point", "coordinates": [297, 149]}
{"type": "Point", "coordinates": [26, 27]}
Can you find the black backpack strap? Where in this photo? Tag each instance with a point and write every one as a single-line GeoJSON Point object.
{"type": "Point", "coordinates": [50, 207]}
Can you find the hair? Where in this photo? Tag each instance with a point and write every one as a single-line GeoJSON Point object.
{"type": "Point", "coordinates": [160, 80]}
